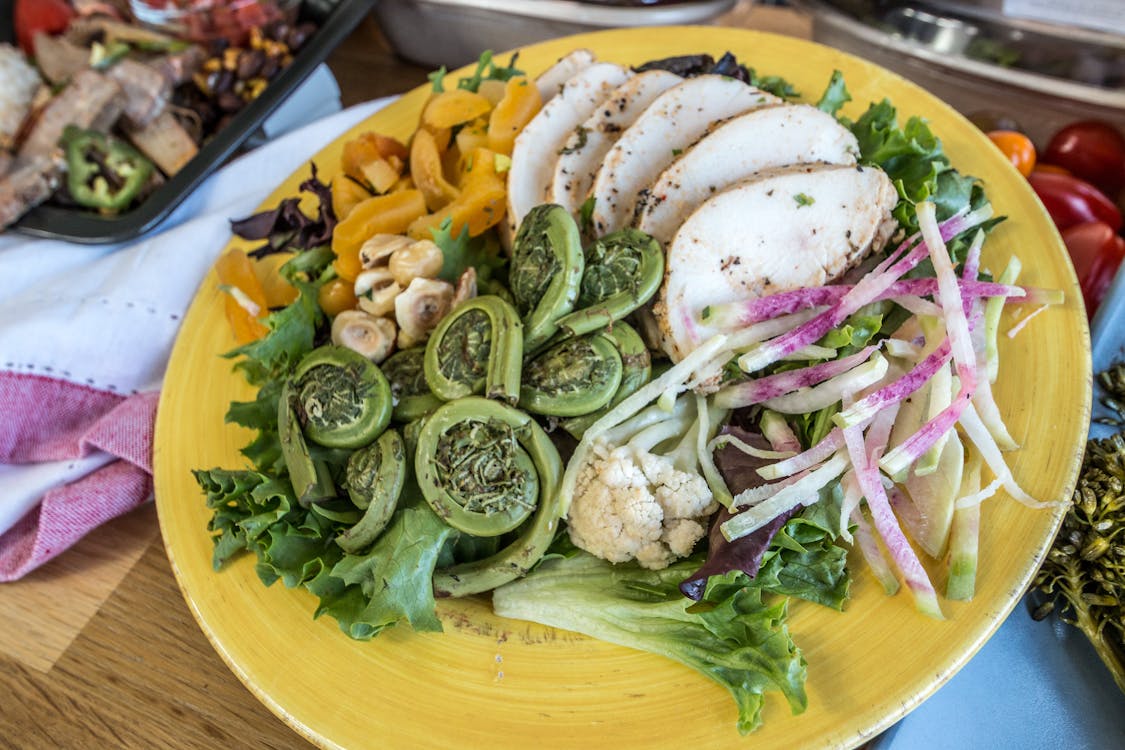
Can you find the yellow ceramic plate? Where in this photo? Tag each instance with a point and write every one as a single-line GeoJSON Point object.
{"type": "Point", "coordinates": [488, 682]}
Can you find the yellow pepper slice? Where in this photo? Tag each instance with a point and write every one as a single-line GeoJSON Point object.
{"type": "Point", "coordinates": [521, 102]}
{"type": "Point", "coordinates": [426, 169]}
{"type": "Point", "coordinates": [391, 214]}
{"type": "Point", "coordinates": [480, 205]}
{"type": "Point", "coordinates": [454, 107]}
{"type": "Point", "coordinates": [244, 300]}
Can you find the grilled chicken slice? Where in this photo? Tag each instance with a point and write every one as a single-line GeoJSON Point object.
{"type": "Point", "coordinates": [551, 80]}
{"type": "Point", "coordinates": [537, 146]}
{"type": "Point", "coordinates": [29, 183]}
{"type": "Point", "coordinates": [765, 138]}
{"type": "Point", "coordinates": [146, 90]}
{"type": "Point", "coordinates": [582, 154]}
{"type": "Point", "coordinates": [674, 120]}
{"type": "Point", "coordinates": [59, 59]}
{"type": "Point", "coordinates": [90, 100]}
{"type": "Point", "coordinates": [779, 230]}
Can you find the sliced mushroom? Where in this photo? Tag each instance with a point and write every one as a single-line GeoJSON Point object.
{"type": "Point", "coordinates": [419, 259]}
{"type": "Point", "coordinates": [376, 290]}
{"type": "Point", "coordinates": [377, 250]}
{"type": "Point", "coordinates": [366, 334]}
{"type": "Point", "coordinates": [420, 308]}
{"type": "Point", "coordinates": [466, 287]}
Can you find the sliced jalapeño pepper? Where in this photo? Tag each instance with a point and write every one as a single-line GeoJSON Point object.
{"type": "Point", "coordinates": [102, 172]}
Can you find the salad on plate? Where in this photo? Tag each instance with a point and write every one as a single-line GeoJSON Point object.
{"type": "Point", "coordinates": [637, 352]}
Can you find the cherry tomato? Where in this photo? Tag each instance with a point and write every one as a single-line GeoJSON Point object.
{"type": "Point", "coordinates": [1072, 201]}
{"type": "Point", "coordinates": [1093, 151]}
{"type": "Point", "coordinates": [1017, 147]}
{"type": "Point", "coordinates": [336, 296]}
{"type": "Point", "coordinates": [34, 16]}
{"type": "Point", "coordinates": [1096, 251]}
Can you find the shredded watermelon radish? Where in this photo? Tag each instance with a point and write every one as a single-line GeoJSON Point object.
{"type": "Point", "coordinates": [964, 536]}
{"type": "Point", "coordinates": [902, 554]}
{"type": "Point", "coordinates": [820, 452]}
{"type": "Point", "coordinates": [734, 315]}
{"type": "Point", "coordinates": [789, 495]}
{"type": "Point", "coordinates": [867, 407]}
{"type": "Point", "coordinates": [756, 391]}
{"type": "Point", "coordinates": [872, 553]}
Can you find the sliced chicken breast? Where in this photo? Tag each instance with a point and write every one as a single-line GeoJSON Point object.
{"type": "Point", "coordinates": [774, 136]}
{"type": "Point", "coordinates": [551, 80]}
{"type": "Point", "coordinates": [674, 120]}
{"type": "Point", "coordinates": [582, 154]}
{"type": "Point", "coordinates": [537, 147]}
{"type": "Point", "coordinates": [781, 229]}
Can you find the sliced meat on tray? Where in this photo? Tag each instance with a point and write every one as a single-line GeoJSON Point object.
{"type": "Point", "coordinates": [91, 100]}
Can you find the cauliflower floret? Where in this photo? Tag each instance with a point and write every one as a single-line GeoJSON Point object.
{"type": "Point", "coordinates": [630, 504]}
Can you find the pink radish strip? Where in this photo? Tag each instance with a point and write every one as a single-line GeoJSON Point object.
{"type": "Point", "coordinates": [949, 292]}
{"type": "Point", "coordinates": [917, 305]}
{"type": "Point", "coordinates": [802, 491]}
{"type": "Point", "coordinates": [828, 445]}
{"type": "Point", "coordinates": [976, 432]}
{"type": "Point", "coordinates": [868, 406]}
{"type": "Point", "coordinates": [763, 389]}
{"type": "Point", "coordinates": [779, 434]}
{"type": "Point", "coordinates": [1014, 330]}
{"type": "Point", "coordinates": [910, 450]}
{"type": "Point", "coordinates": [748, 312]}
{"type": "Point", "coordinates": [872, 554]}
{"type": "Point", "coordinates": [849, 504]}
{"type": "Point", "coordinates": [907, 562]}
{"type": "Point", "coordinates": [879, 433]}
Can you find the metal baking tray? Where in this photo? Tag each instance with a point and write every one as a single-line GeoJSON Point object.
{"type": "Point", "coordinates": [1042, 75]}
{"type": "Point", "coordinates": [454, 32]}
{"type": "Point", "coordinates": [335, 18]}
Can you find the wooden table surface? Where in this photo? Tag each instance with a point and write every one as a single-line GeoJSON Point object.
{"type": "Point", "coordinates": [98, 648]}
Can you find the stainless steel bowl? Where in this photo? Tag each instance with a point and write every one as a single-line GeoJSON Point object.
{"type": "Point", "coordinates": [1043, 75]}
{"type": "Point", "coordinates": [455, 32]}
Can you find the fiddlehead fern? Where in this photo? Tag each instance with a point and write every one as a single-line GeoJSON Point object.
{"type": "Point", "coordinates": [573, 377]}
{"type": "Point", "coordinates": [341, 397]}
{"type": "Point", "coordinates": [636, 371]}
{"type": "Point", "coordinates": [623, 270]}
{"type": "Point", "coordinates": [374, 479]}
{"type": "Point", "coordinates": [405, 372]}
{"type": "Point", "coordinates": [476, 349]}
{"type": "Point", "coordinates": [311, 482]}
{"type": "Point", "coordinates": [488, 469]}
{"type": "Point", "coordinates": [545, 271]}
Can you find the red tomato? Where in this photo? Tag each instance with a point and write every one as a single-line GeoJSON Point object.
{"type": "Point", "coordinates": [1096, 251]}
{"type": "Point", "coordinates": [1072, 201]}
{"type": "Point", "coordinates": [1093, 151]}
{"type": "Point", "coordinates": [33, 16]}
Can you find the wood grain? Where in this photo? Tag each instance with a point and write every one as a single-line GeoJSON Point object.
{"type": "Point", "coordinates": [140, 675]}
{"type": "Point", "coordinates": [36, 623]}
